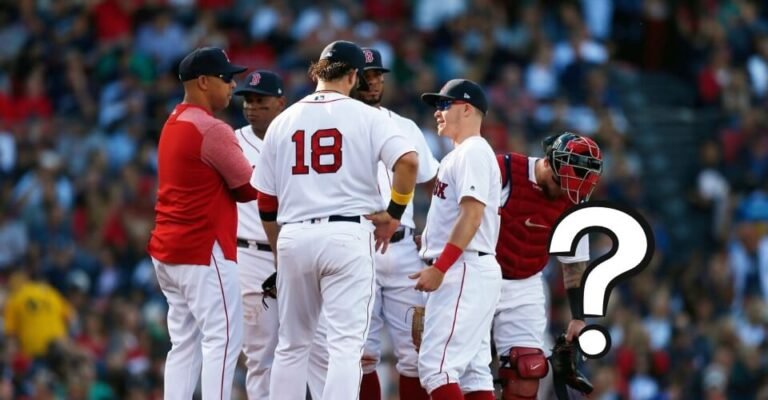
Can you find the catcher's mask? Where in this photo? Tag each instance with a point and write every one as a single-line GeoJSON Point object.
{"type": "Point", "coordinates": [576, 162]}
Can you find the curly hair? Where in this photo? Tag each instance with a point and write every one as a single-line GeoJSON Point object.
{"type": "Point", "coordinates": [327, 71]}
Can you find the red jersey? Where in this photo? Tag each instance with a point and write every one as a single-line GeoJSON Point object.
{"type": "Point", "coordinates": [199, 161]}
{"type": "Point", "coordinates": [527, 219]}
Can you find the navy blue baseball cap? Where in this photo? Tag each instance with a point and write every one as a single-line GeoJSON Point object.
{"type": "Point", "coordinates": [373, 60]}
{"type": "Point", "coordinates": [207, 61]}
{"type": "Point", "coordinates": [459, 89]}
{"type": "Point", "coordinates": [344, 52]}
{"type": "Point", "coordinates": [348, 53]}
{"type": "Point", "coordinates": [262, 82]}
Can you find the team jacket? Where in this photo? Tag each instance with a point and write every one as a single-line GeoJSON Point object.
{"type": "Point", "coordinates": [527, 218]}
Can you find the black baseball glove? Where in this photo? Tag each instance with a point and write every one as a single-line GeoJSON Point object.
{"type": "Point", "coordinates": [564, 372]}
{"type": "Point", "coordinates": [270, 286]}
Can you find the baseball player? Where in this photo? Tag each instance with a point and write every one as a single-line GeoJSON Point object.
{"type": "Point", "coordinates": [462, 277]}
{"type": "Point", "coordinates": [263, 100]}
{"type": "Point", "coordinates": [202, 173]}
{"type": "Point", "coordinates": [535, 192]}
{"type": "Point", "coordinates": [317, 191]}
{"type": "Point", "coordinates": [395, 298]}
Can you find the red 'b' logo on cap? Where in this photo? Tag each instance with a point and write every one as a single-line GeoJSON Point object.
{"type": "Point", "coordinates": [368, 56]}
{"type": "Point", "coordinates": [255, 79]}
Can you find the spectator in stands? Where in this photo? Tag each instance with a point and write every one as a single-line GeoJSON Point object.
{"type": "Point", "coordinates": [35, 314]}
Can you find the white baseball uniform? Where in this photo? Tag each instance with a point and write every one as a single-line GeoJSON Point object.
{"type": "Point", "coordinates": [521, 316]}
{"type": "Point", "coordinates": [456, 341]}
{"type": "Point", "coordinates": [320, 161]}
{"type": "Point", "coordinates": [256, 263]}
{"type": "Point", "coordinates": [394, 297]}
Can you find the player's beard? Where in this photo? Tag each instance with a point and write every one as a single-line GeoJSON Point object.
{"type": "Point", "coordinates": [370, 100]}
{"type": "Point", "coordinates": [367, 99]}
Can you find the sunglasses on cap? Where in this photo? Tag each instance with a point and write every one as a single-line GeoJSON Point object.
{"type": "Point", "coordinates": [445, 104]}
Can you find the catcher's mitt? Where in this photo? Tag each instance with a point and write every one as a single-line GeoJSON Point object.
{"type": "Point", "coordinates": [417, 326]}
{"type": "Point", "coordinates": [269, 286]}
{"type": "Point", "coordinates": [564, 372]}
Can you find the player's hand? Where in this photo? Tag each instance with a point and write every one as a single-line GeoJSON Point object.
{"type": "Point", "coordinates": [429, 279]}
{"type": "Point", "coordinates": [574, 329]}
{"type": "Point", "coordinates": [417, 240]}
{"type": "Point", "coordinates": [385, 228]}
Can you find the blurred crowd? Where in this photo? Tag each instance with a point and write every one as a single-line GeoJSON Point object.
{"type": "Point", "coordinates": [85, 86]}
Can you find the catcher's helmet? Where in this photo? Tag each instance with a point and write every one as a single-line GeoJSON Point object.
{"type": "Point", "coordinates": [576, 162]}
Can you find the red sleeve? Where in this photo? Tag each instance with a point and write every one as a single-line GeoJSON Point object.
{"type": "Point", "coordinates": [267, 207]}
{"type": "Point", "coordinates": [245, 193]}
{"type": "Point", "coordinates": [267, 202]}
{"type": "Point", "coordinates": [221, 151]}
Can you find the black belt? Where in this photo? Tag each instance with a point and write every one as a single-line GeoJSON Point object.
{"type": "Point", "coordinates": [431, 261]}
{"type": "Point", "coordinates": [400, 234]}
{"type": "Point", "coordinates": [250, 243]}
{"type": "Point", "coordinates": [343, 218]}
{"type": "Point", "coordinates": [332, 218]}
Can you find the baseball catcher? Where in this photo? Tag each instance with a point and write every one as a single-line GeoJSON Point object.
{"type": "Point", "coordinates": [536, 191]}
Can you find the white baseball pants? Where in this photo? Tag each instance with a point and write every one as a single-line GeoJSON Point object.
{"type": "Point", "coordinates": [456, 344]}
{"type": "Point", "coordinates": [521, 316]}
{"type": "Point", "coordinates": [393, 308]}
{"type": "Point", "coordinates": [259, 321]}
{"type": "Point", "coordinates": [205, 323]}
{"type": "Point", "coordinates": [323, 267]}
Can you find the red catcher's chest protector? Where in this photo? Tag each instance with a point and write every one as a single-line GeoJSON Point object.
{"type": "Point", "coordinates": [527, 219]}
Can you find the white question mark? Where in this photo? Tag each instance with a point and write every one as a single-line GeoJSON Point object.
{"type": "Point", "coordinates": [633, 247]}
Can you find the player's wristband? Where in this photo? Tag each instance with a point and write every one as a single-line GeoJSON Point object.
{"type": "Point", "coordinates": [574, 300]}
{"type": "Point", "coordinates": [448, 257]}
{"type": "Point", "coordinates": [395, 210]}
{"type": "Point", "coordinates": [401, 199]}
{"type": "Point", "coordinates": [268, 216]}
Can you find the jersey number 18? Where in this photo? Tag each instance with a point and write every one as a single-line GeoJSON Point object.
{"type": "Point", "coordinates": [318, 150]}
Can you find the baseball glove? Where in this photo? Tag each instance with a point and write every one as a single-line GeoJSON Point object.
{"type": "Point", "coordinates": [564, 357]}
{"type": "Point", "coordinates": [270, 286]}
{"type": "Point", "coordinates": [417, 326]}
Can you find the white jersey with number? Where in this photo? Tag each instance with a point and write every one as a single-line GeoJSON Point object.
{"type": "Point", "coordinates": [469, 170]}
{"type": "Point", "coordinates": [248, 220]}
{"type": "Point", "coordinates": [320, 157]}
{"type": "Point", "coordinates": [427, 163]}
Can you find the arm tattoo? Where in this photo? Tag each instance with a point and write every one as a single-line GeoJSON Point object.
{"type": "Point", "coordinates": [572, 274]}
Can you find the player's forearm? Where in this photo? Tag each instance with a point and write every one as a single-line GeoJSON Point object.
{"type": "Point", "coordinates": [572, 274]}
{"type": "Point", "coordinates": [272, 229]}
{"type": "Point", "coordinates": [268, 206]}
{"type": "Point", "coordinates": [405, 171]}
